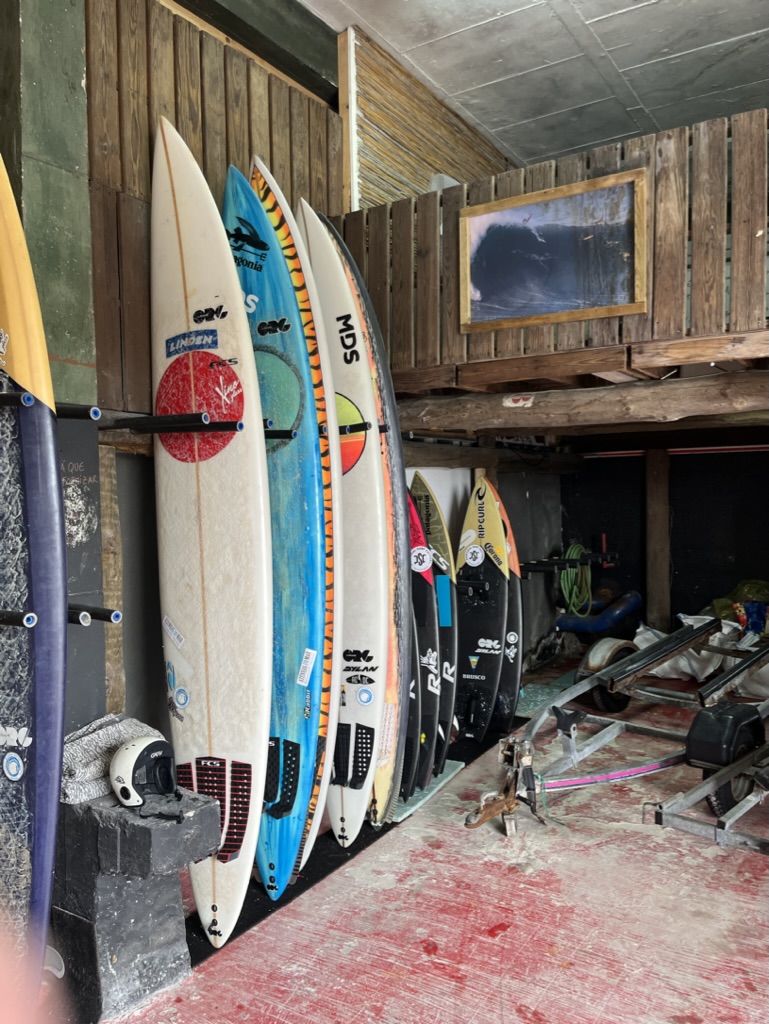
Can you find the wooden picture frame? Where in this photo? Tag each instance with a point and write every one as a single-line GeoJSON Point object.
{"type": "Point", "coordinates": [577, 252]}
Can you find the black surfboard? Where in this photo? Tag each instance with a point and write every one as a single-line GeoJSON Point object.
{"type": "Point", "coordinates": [482, 591]}
{"type": "Point", "coordinates": [413, 725]}
{"type": "Point", "coordinates": [512, 662]}
{"type": "Point", "coordinates": [444, 574]}
{"type": "Point", "coordinates": [426, 620]}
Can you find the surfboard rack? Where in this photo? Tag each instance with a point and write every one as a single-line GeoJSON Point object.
{"type": "Point", "coordinates": [184, 423]}
{"type": "Point", "coordinates": [16, 398]}
{"type": "Point", "coordinates": [26, 620]}
{"type": "Point", "coordinates": [112, 615]}
{"type": "Point", "coordinates": [354, 428]}
{"type": "Point", "coordinates": [558, 564]}
{"type": "Point", "coordinates": [73, 411]}
{"type": "Point", "coordinates": [75, 618]}
{"type": "Point", "coordinates": [279, 435]}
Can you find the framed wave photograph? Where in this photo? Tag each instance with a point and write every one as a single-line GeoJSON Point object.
{"type": "Point", "coordinates": [576, 252]}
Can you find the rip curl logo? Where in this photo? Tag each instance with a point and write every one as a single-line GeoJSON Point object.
{"type": "Point", "coordinates": [4, 339]}
{"type": "Point", "coordinates": [11, 737]}
{"type": "Point", "coordinates": [511, 648]}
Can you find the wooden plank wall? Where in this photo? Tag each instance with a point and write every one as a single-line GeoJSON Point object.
{"type": "Point", "coordinates": [144, 61]}
{"type": "Point", "coordinates": [707, 185]}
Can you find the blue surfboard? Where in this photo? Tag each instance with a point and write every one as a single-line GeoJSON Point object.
{"type": "Point", "coordinates": [298, 464]}
{"type": "Point", "coordinates": [33, 583]}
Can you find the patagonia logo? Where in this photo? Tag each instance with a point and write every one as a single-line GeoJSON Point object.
{"type": "Point", "coordinates": [190, 341]}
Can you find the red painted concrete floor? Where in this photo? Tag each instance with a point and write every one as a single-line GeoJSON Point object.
{"type": "Point", "coordinates": [596, 918]}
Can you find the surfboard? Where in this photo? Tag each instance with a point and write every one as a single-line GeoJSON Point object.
{"type": "Point", "coordinates": [444, 574]}
{"type": "Point", "coordinates": [33, 582]}
{"type": "Point", "coordinates": [364, 632]}
{"type": "Point", "coordinates": [387, 777]}
{"type": "Point", "coordinates": [413, 718]}
{"type": "Point", "coordinates": [482, 577]}
{"type": "Point", "coordinates": [213, 525]}
{"type": "Point", "coordinates": [295, 390]}
{"type": "Point", "coordinates": [425, 605]}
{"type": "Point", "coordinates": [512, 662]}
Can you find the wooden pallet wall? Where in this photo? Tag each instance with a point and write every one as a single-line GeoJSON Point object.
{"type": "Point", "coordinates": [144, 61]}
{"type": "Point", "coordinates": [707, 192]}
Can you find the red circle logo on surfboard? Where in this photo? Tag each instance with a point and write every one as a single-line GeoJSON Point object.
{"type": "Point", "coordinates": [199, 382]}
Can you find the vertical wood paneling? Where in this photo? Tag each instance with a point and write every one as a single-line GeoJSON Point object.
{"type": "Point", "coordinates": [641, 152]}
{"type": "Point", "coordinates": [335, 163]}
{"type": "Point", "coordinates": [453, 342]}
{"type": "Point", "coordinates": [318, 157]}
{"type": "Point", "coordinates": [355, 238]}
{"type": "Point", "coordinates": [236, 105]}
{"type": "Point", "coordinates": [378, 279]}
{"type": "Point", "coordinates": [428, 307]}
{"type": "Point", "coordinates": [280, 135]}
{"type": "Point", "coordinates": [402, 347]}
{"type": "Point", "coordinates": [213, 117]}
{"type": "Point", "coordinates": [748, 298]}
{"type": "Point", "coordinates": [538, 177]}
{"type": "Point", "coordinates": [112, 578]}
{"type": "Point", "coordinates": [134, 242]}
{"type": "Point", "coordinates": [103, 109]}
{"type": "Point", "coordinates": [132, 78]}
{"type": "Point", "coordinates": [709, 184]}
{"type": "Point", "coordinates": [300, 146]}
{"type": "Point", "coordinates": [187, 85]}
{"type": "Point", "coordinates": [509, 342]}
{"type": "Point", "coordinates": [160, 65]}
{"type": "Point", "coordinates": [258, 113]}
{"type": "Point", "coordinates": [568, 170]}
{"type": "Point", "coordinates": [604, 160]}
{"type": "Point", "coordinates": [670, 233]}
{"type": "Point", "coordinates": [106, 297]}
{"type": "Point", "coordinates": [480, 344]}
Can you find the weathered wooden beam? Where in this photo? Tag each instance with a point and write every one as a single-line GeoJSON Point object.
{"type": "Point", "coordinates": [449, 456]}
{"type": "Point", "coordinates": [715, 349]}
{"type": "Point", "coordinates": [424, 378]}
{"type": "Point", "coordinates": [550, 365]}
{"type": "Point", "coordinates": [665, 401]}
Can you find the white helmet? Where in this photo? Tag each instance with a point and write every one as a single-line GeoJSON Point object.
{"type": "Point", "coordinates": [143, 766]}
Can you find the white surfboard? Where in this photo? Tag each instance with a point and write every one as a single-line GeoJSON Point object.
{"type": "Point", "coordinates": [364, 637]}
{"type": "Point", "coordinates": [213, 525]}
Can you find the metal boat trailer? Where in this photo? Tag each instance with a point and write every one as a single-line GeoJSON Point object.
{"type": "Point", "coordinates": [725, 740]}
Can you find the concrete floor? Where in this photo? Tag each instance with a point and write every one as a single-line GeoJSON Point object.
{"type": "Point", "coordinates": [596, 918]}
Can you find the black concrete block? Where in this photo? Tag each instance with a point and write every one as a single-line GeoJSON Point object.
{"type": "Point", "coordinates": [135, 947]}
{"type": "Point", "coordinates": [102, 836]}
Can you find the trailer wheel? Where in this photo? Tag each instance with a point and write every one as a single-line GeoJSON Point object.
{"type": "Point", "coordinates": [603, 698]}
{"type": "Point", "coordinates": [733, 791]}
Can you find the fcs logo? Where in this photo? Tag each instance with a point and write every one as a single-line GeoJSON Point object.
{"type": "Point", "coordinates": [352, 654]}
{"type": "Point", "coordinates": [210, 764]}
{"type": "Point", "coordinates": [201, 316]}
{"type": "Point", "coordinates": [273, 327]}
{"type": "Point", "coordinates": [10, 737]}
{"type": "Point", "coordinates": [488, 647]}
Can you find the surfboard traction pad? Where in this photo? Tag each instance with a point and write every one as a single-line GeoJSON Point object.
{"type": "Point", "coordinates": [15, 666]}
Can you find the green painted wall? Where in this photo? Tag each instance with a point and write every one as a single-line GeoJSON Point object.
{"type": "Point", "coordinates": [44, 137]}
